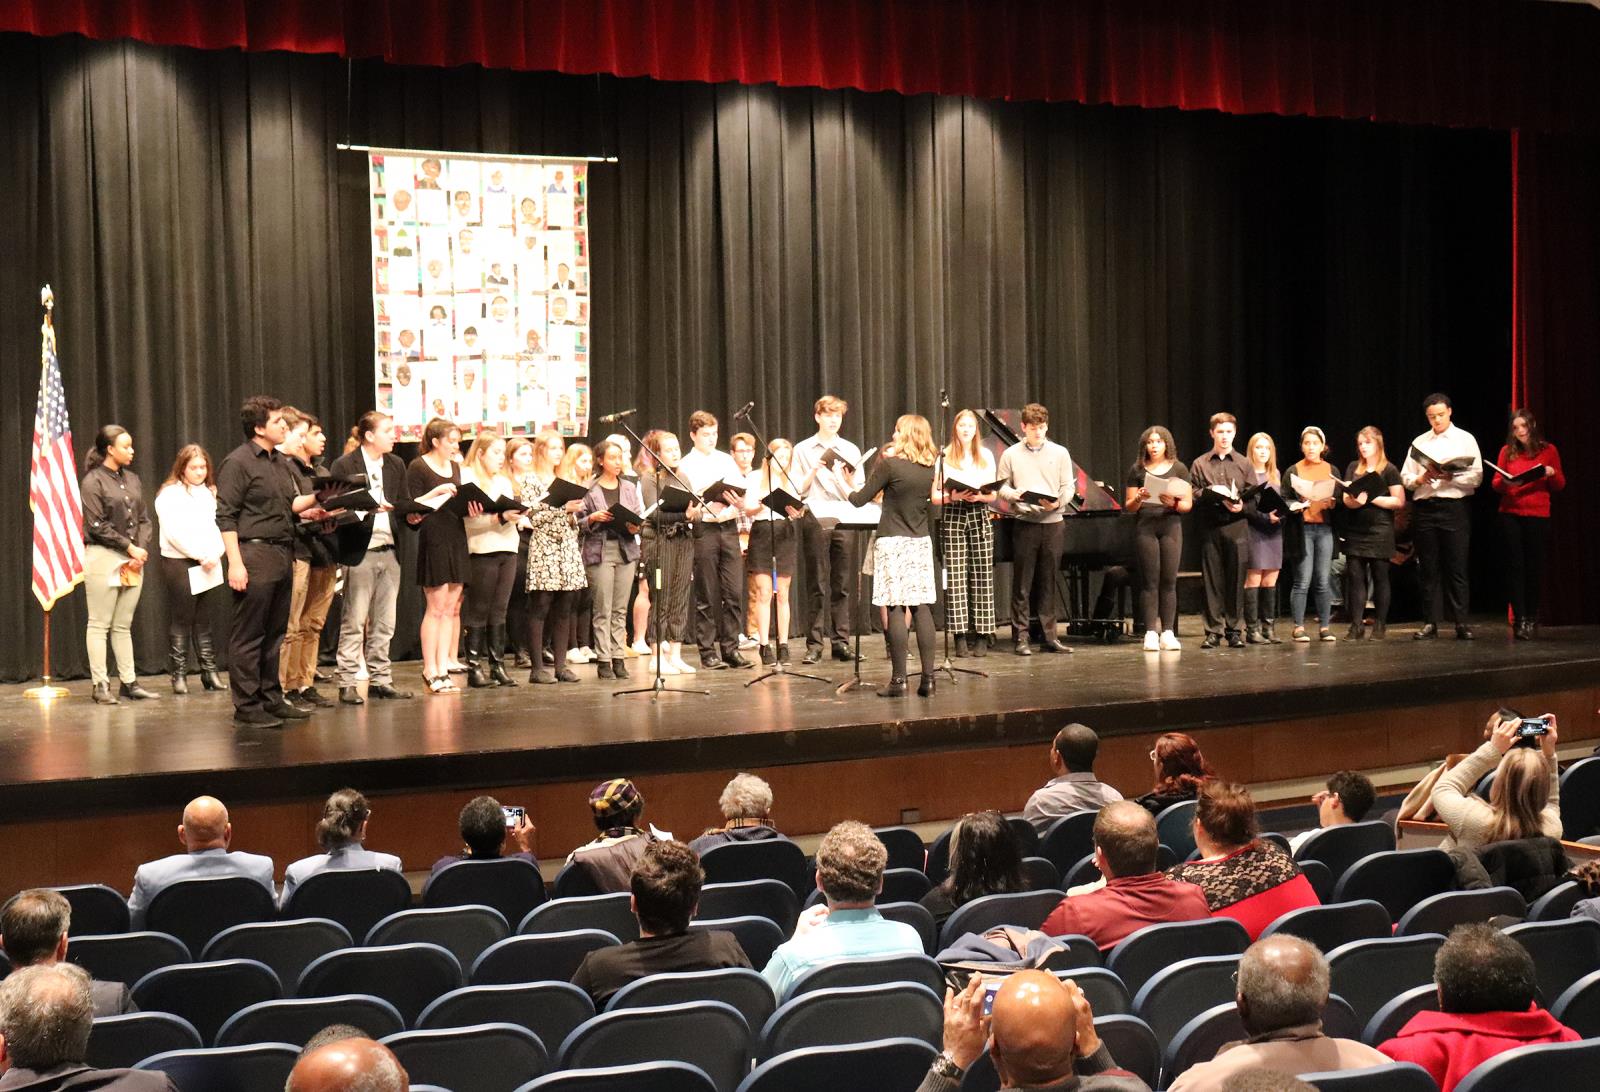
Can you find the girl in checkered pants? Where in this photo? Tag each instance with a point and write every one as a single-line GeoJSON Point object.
{"type": "Point", "coordinates": [968, 537]}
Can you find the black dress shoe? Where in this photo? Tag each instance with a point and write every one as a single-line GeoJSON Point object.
{"type": "Point", "coordinates": [1212, 641]}
{"type": "Point", "coordinates": [783, 653]}
{"type": "Point", "coordinates": [961, 646]}
{"type": "Point", "coordinates": [896, 688]}
{"type": "Point", "coordinates": [566, 674]}
{"type": "Point", "coordinates": [387, 692]}
{"type": "Point", "coordinates": [542, 676]}
{"type": "Point", "coordinates": [1464, 633]}
{"type": "Point", "coordinates": [1023, 648]}
{"type": "Point", "coordinates": [1426, 633]}
{"type": "Point", "coordinates": [769, 657]}
{"type": "Point", "coordinates": [309, 696]}
{"type": "Point", "coordinates": [712, 663]}
{"type": "Point", "coordinates": [255, 718]}
{"type": "Point", "coordinates": [1524, 631]}
{"type": "Point", "coordinates": [136, 692]}
{"type": "Point", "coordinates": [103, 695]}
{"type": "Point", "coordinates": [926, 687]}
{"type": "Point", "coordinates": [288, 710]}
{"type": "Point", "coordinates": [980, 645]}
{"type": "Point", "coordinates": [1051, 644]}
{"type": "Point", "coordinates": [842, 653]}
{"type": "Point", "coordinates": [813, 654]}
{"type": "Point", "coordinates": [349, 695]}
{"type": "Point", "coordinates": [733, 659]}
{"type": "Point", "coordinates": [1235, 639]}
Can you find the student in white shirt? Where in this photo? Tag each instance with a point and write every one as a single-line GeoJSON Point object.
{"type": "Point", "coordinates": [1441, 526]}
{"type": "Point", "coordinates": [829, 553]}
{"type": "Point", "coordinates": [186, 510]}
{"type": "Point", "coordinates": [718, 568]}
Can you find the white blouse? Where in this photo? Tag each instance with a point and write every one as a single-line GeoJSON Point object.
{"type": "Point", "coordinates": [188, 519]}
{"type": "Point", "coordinates": [487, 534]}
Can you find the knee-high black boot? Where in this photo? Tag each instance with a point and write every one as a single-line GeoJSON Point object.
{"type": "Point", "coordinates": [497, 644]}
{"type": "Point", "coordinates": [1269, 614]}
{"type": "Point", "coordinates": [178, 662]}
{"type": "Point", "coordinates": [1252, 616]}
{"type": "Point", "coordinates": [477, 667]}
{"type": "Point", "coordinates": [207, 655]}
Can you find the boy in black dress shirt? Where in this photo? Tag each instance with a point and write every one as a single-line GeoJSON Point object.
{"type": "Point", "coordinates": [1217, 477]}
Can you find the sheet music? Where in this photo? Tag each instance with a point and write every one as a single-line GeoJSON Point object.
{"type": "Point", "coordinates": [201, 581]}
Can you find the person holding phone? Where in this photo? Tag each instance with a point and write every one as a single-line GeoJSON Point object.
{"type": "Point", "coordinates": [1525, 801]}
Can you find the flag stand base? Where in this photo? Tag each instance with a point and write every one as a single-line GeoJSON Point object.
{"type": "Point", "coordinates": [45, 692]}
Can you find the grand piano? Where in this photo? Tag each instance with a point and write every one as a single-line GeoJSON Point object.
{"type": "Point", "coordinates": [1099, 536]}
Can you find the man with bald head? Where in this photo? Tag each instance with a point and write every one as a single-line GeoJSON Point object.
{"type": "Point", "coordinates": [1135, 894]}
{"type": "Point", "coordinates": [1283, 988]}
{"type": "Point", "coordinates": [346, 1064]}
{"type": "Point", "coordinates": [1040, 1035]}
{"type": "Point", "coordinates": [204, 834]}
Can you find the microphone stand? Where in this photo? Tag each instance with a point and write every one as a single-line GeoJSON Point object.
{"type": "Point", "coordinates": [656, 687]}
{"type": "Point", "coordinates": [779, 669]}
{"type": "Point", "coordinates": [946, 666]}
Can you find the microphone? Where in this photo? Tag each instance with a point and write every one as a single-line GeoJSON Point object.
{"type": "Point", "coordinates": [748, 406]}
{"type": "Point", "coordinates": [944, 399]}
{"type": "Point", "coordinates": [613, 418]}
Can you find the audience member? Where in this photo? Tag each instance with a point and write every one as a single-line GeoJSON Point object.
{"type": "Point", "coordinates": [746, 804]}
{"type": "Point", "coordinates": [1074, 786]}
{"type": "Point", "coordinates": [666, 892]}
{"type": "Point", "coordinates": [205, 834]}
{"type": "Point", "coordinates": [341, 833]}
{"type": "Point", "coordinates": [1346, 798]}
{"type": "Point", "coordinates": [984, 860]}
{"type": "Point", "coordinates": [1244, 878]}
{"type": "Point", "coordinates": [484, 835]}
{"type": "Point", "coordinates": [1282, 990]}
{"type": "Point", "coordinates": [1180, 769]}
{"type": "Point", "coordinates": [1525, 800]}
{"type": "Point", "coordinates": [342, 1059]}
{"type": "Point", "coordinates": [1040, 1035]}
{"type": "Point", "coordinates": [1135, 894]}
{"type": "Point", "coordinates": [608, 860]}
{"type": "Point", "coordinates": [1486, 984]}
{"type": "Point", "coordinates": [33, 930]}
{"type": "Point", "coordinates": [1265, 1080]}
{"type": "Point", "coordinates": [46, 1013]}
{"type": "Point", "coordinates": [850, 862]}
{"type": "Point", "coordinates": [1587, 876]}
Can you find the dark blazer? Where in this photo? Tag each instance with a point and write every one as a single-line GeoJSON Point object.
{"type": "Point", "coordinates": [80, 1078]}
{"type": "Point", "coordinates": [111, 998]}
{"type": "Point", "coordinates": [353, 537]}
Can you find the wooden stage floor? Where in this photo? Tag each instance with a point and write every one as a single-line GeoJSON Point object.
{"type": "Point", "coordinates": [73, 758]}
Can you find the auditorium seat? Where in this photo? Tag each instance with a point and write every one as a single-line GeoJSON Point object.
{"type": "Point", "coordinates": [1343, 845]}
{"type": "Point", "coordinates": [1082, 872]}
{"type": "Point", "coordinates": [206, 994]}
{"type": "Point", "coordinates": [613, 913]}
{"type": "Point", "coordinates": [1394, 1077]}
{"type": "Point", "coordinates": [1175, 828]}
{"type": "Point", "coordinates": [1397, 1011]}
{"type": "Point", "coordinates": [870, 971]}
{"type": "Point", "coordinates": [938, 866]}
{"type": "Point", "coordinates": [1546, 1065]}
{"type": "Point", "coordinates": [645, 1077]}
{"type": "Point", "coordinates": [770, 899]}
{"type": "Point", "coordinates": [1337, 923]}
{"type": "Point", "coordinates": [495, 1057]}
{"type": "Point", "coordinates": [1580, 799]}
{"type": "Point", "coordinates": [708, 1034]}
{"type": "Point", "coordinates": [1141, 954]}
{"type": "Point", "coordinates": [1176, 994]}
{"type": "Point", "coordinates": [1027, 835]}
{"type": "Point", "coordinates": [537, 957]}
{"type": "Point", "coordinates": [1367, 973]}
{"type": "Point", "coordinates": [1562, 951]}
{"type": "Point", "coordinates": [121, 1042]}
{"type": "Point", "coordinates": [297, 1019]}
{"type": "Point", "coordinates": [96, 909]}
{"type": "Point", "coordinates": [904, 845]}
{"type": "Point", "coordinates": [1442, 912]}
{"type": "Point", "coordinates": [1578, 1007]}
{"type": "Point", "coordinates": [758, 936]}
{"type": "Point", "coordinates": [408, 976]}
{"type": "Point", "coordinates": [1320, 878]}
{"type": "Point", "coordinates": [1339, 1019]}
{"type": "Point", "coordinates": [1398, 878]}
{"type": "Point", "coordinates": [771, 860]}
{"type": "Point", "coordinates": [899, 885]}
{"type": "Point", "coordinates": [1198, 1040]}
{"type": "Point", "coordinates": [853, 1014]}
{"type": "Point", "coordinates": [882, 1064]}
{"type": "Point", "coordinates": [1067, 840]}
{"type": "Point", "coordinates": [1105, 991]}
{"type": "Point", "coordinates": [1131, 1043]}
{"type": "Point", "coordinates": [551, 1010]}
{"type": "Point", "coordinates": [915, 915]}
{"type": "Point", "coordinates": [573, 882]}
{"type": "Point", "coordinates": [263, 1067]}
{"type": "Point", "coordinates": [288, 947]}
{"type": "Point", "coordinates": [510, 885]}
{"type": "Point", "coordinates": [1279, 840]}
{"type": "Point", "coordinates": [356, 898]}
{"type": "Point", "coordinates": [1024, 909]}
{"type": "Point", "coordinates": [1039, 874]}
{"type": "Point", "coordinates": [1078, 951]}
{"type": "Point", "coordinates": [126, 957]}
{"type": "Point", "coordinates": [464, 931]}
{"type": "Point", "coordinates": [194, 911]}
{"type": "Point", "coordinates": [740, 987]}
{"type": "Point", "coordinates": [1556, 903]}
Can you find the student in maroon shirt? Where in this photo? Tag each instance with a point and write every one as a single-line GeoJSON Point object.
{"type": "Point", "coordinates": [1525, 515]}
{"type": "Point", "coordinates": [1135, 894]}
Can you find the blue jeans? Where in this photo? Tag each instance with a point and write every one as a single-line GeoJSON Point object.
{"type": "Point", "coordinates": [1313, 569]}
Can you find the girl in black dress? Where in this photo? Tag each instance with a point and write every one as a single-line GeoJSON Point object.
{"type": "Point", "coordinates": [1366, 525]}
{"type": "Point", "coordinates": [773, 548]}
{"type": "Point", "coordinates": [441, 550]}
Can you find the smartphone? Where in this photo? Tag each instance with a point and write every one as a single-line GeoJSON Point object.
{"type": "Point", "coordinates": [514, 817]}
{"type": "Point", "coordinates": [1529, 727]}
{"type": "Point", "coordinates": [990, 988]}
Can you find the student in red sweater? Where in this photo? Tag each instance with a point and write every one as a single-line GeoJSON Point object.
{"type": "Point", "coordinates": [1525, 514]}
{"type": "Point", "coordinates": [1486, 984]}
{"type": "Point", "coordinates": [1135, 894]}
{"type": "Point", "coordinates": [1244, 878]}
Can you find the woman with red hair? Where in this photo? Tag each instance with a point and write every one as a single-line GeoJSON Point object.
{"type": "Point", "coordinates": [1179, 769]}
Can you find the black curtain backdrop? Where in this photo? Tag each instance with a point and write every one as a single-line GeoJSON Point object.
{"type": "Point", "coordinates": [1124, 266]}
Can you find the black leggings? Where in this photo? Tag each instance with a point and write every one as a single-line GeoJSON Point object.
{"type": "Point", "coordinates": [1364, 575]}
{"type": "Point", "coordinates": [1523, 538]}
{"type": "Point", "coordinates": [550, 611]}
{"type": "Point", "coordinates": [899, 642]}
{"type": "Point", "coordinates": [1160, 545]}
{"type": "Point", "coordinates": [488, 589]}
{"type": "Point", "coordinates": [184, 615]}
{"type": "Point", "coordinates": [517, 606]}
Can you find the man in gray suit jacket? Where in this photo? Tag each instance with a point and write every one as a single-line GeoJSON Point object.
{"type": "Point", "coordinates": [46, 1013]}
{"type": "Point", "coordinates": [33, 930]}
{"type": "Point", "coordinates": [205, 834]}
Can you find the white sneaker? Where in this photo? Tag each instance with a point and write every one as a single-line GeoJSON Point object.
{"type": "Point", "coordinates": [1170, 642]}
{"type": "Point", "coordinates": [1152, 642]}
{"type": "Point", "coordinates": [667, 666]}
{"type": "Point", "coordinates": [579, 656]}
{"type": "Point", "coordinates": [683, 666]}
{"type": "Point", "coordinates": [747, 641]}
{"type": "Point", "coordinates": [642, 649]}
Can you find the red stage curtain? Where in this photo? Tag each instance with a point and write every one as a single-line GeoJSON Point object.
{"type": "Point", "coordinates": [1483, 63]}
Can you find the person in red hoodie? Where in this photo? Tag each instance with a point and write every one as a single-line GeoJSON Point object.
{"type": "Point", "coordinates": [1135, 894]}
{"type": "Point", "coordinates": [1525, 514]}
{"type": "Point", "coordinates": [1486, 984]}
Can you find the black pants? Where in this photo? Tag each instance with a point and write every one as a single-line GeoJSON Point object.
{"type": "Point", "coordinates": [260, 619]}
{"type": "Point", "coordinates": [1524, 540]}
{"type": "Point", "coordinates": [184, 615]}
{"type": "Point", "coordinates": [719, 588]}
{"type": "Point", "coordinates": [1035, 563]}
{"type": "Point", "coordinates": [550, 611]}
{"type": "Point", "coordinates": [1364, 576]}
{"type": "Point", "coordinates": [1222, 565]}
{"type": "Point", "coordinates": [829, 569]}
{"type": "Point", "coordinates": [1442, 532]}
{"type": "Point", "coordinates": [489, 582]}
{"type": "Point", "coordinates": [517, 607]}
{"type": "Point", "coordinates": [1160, 545]}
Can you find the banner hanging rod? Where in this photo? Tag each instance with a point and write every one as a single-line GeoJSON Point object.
{"type": "Point", "coordinates": [430, 153]}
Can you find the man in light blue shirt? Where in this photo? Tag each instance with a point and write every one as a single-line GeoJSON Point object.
{"type": "Point", "coordinates": [850, 864]}
{"type": "Point", "coordinates": [205, 834]}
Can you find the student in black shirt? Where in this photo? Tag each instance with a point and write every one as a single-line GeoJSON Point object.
{"type": "Point", "coordinates": [116, 535]}
{"type": "Point", "coordinates": [666, 891]}
{"type": "Point", "coordinates": [1223, 531]}
{"type": "Point", "coordinates": [257, 504]}
{"type": "Point", "coordinates": [1366, 528]}
{"type": "Point", "coordinates": [902, 554]}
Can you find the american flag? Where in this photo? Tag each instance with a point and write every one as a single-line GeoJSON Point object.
{"type": "Point", "coordinates": [53, 492]}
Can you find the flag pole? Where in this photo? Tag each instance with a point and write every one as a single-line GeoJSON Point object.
{"type": "Point", "coordinates": [45, 691]}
